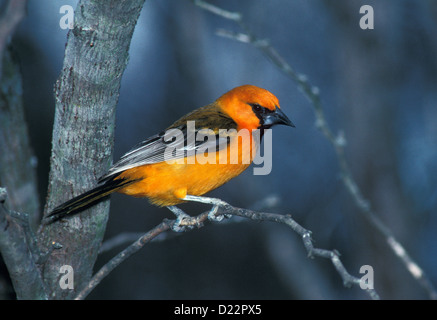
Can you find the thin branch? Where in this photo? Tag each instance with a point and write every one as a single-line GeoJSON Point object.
{"type": "Point", "coordinates": [124, 238]}
{"type": "Point", "coordinates": [123, 255]}
{"type": "Point", "coordinates": [226, 209]}
{"type": "Point", "coordinates": [338, 141]}
{"type": "Point", "coordinates": [218, 11]}
{"type": "Point", "coordinates": [118, 240]}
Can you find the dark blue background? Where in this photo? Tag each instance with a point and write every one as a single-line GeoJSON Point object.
{"type": "Point", "coordinates": [377, 86]}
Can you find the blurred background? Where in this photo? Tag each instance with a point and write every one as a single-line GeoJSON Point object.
{"type": "Point", "coordinates": [377, 86]}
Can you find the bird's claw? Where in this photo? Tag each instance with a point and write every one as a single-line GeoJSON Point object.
{"type": "Point", "coordinates": [183, 221]}
{"type": "Point", "coordinates": [213, 214]}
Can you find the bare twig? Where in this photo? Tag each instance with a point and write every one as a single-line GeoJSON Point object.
{"type": "Point", "coordinates": [338, 141]}
{"type": "Point", "coordinates": [333, 255]}
{"type": "Point", "coordinates": [226, 209]}
{"type": "Point", "coordinates": [129, 237]}
{"type": "Point", "coordinates": [118, 240]}
{"type": "Point", "coordinates": [218, 11]}
{"type": "Point", "coordinates": [123, 255]}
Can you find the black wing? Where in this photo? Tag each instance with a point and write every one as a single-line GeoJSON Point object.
{"type": "Point", "coordinates": [185, 137]}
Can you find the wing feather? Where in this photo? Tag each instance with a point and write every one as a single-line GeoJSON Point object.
{"type": "Point", "coordinates": [183, 141]}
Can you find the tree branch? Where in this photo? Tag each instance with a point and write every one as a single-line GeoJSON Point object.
{"type": "Point", "coordinates": [17, 169]}
{"type": "Point", "coordinates": [123, 238]}
{"type": "Point", "coordinates": [226, 209]}
{"type": "Point", "coordinates": [337, 141]}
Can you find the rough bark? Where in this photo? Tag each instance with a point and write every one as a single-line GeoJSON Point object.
{"type": "Point", "coordinates": [17, 174]}
{"type": "Point", "coordinates": [86, 96]}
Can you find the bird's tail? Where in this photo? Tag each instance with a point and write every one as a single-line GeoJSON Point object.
{"type": "Point", "coordinates": [85, 200]}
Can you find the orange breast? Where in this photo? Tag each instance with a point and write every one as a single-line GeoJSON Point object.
{"type": "Point", "coordinates": [164, 184]}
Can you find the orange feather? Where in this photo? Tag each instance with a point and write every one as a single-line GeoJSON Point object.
{"type": "Point", "coordinates": [144, 171]}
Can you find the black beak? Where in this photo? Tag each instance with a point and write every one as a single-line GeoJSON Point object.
{"type": "Point", "coordinates": [276, 117]}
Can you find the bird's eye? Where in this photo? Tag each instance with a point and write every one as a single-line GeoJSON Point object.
{"type": "Point", "coordinates": [256, 107]}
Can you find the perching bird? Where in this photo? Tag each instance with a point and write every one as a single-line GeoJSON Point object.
{"type": "Point", "coordinates": [196, 160]}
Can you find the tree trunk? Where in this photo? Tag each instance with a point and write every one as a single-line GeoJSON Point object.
{"type": "Point", "coordinates": [86, 96]}
{"type": "Point", "coordinates": [17, 175]}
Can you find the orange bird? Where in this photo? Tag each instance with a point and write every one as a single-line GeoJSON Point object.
{"type": "Point", "coordinates": [169, 171]}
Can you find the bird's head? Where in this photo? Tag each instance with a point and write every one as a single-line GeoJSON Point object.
{"type": "Point", "coordinates": [253, 108]}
